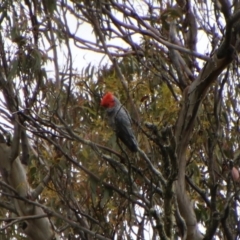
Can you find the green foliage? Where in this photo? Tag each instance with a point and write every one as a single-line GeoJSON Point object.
{"type": "Point", "coordinates": [94, 181]}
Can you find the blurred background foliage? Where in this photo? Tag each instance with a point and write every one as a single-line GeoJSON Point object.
{"type": "Point", "coordinates": [94, 182]}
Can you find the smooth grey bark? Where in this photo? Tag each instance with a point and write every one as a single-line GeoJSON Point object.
{"type": "Point", "coordinates": [15, 176]}
{"type": "Point", "coordinates": [192, 99]}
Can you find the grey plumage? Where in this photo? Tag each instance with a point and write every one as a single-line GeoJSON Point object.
{"type": "Point", "coordinates": [120, 121]}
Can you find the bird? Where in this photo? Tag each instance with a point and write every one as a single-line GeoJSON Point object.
{"type": "Point", "coordinates": [119, 120]}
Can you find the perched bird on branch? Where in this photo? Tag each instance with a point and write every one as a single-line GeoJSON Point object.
{"type": "Point", "coordinates": [119, 120]}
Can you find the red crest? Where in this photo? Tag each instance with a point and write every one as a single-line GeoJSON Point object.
{"type": "Point", "coordinates": [107, 100]}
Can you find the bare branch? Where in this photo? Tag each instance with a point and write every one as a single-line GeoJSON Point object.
{"type": "Point", "coordinates": [19, 219]}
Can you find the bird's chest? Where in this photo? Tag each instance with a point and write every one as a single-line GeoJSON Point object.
{"type": "Point", "coordinates": [111, 119]}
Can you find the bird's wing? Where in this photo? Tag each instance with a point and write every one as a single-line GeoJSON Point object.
{"type": "Point", "coordinates": [124, 129]}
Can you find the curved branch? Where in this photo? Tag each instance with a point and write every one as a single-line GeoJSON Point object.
{"type": "Point", "coordinates": [48, 212]}
{"type": "Point", "coordinates": [227, 46]}
{"type": "Point", "coordinates": [152, 32]}
{"type": "Point", "coordinates": [20, 219]}
{"type": "Point", "coordinates": [16, 140]}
